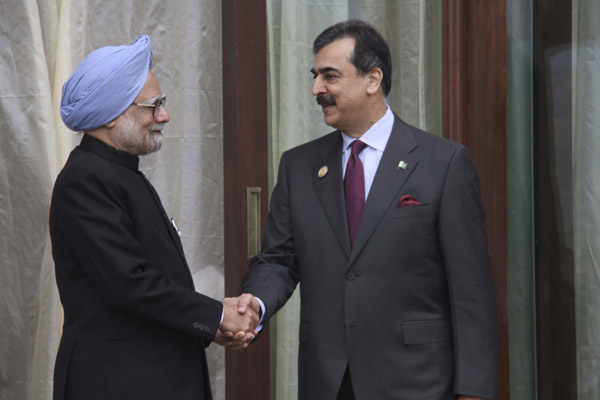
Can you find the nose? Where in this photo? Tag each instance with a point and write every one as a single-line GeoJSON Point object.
{"type": "Point", "coordinates": [162, 116]}
{"type": "Point", "coordinates": [318, 86]}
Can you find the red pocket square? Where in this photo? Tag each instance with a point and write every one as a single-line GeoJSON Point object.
{"type": "Point", "coordinates": [408, 200]}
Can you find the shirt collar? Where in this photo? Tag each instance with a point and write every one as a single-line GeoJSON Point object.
{"type": "Point", "coordinates": [377, 135]}
{"type": "Point", "coordinates": [94, 145]}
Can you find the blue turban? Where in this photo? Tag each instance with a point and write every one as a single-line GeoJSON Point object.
{"type": "Point", "coordinates": [105, 83]}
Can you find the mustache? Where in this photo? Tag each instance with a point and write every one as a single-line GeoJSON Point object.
{"type": "Point", "coordinates": [156, 127]}
{"type": "Point", "coordinates": [325, 100]}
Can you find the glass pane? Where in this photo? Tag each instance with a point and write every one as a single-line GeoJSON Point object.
{"type": "Point", "coordinates": [567, 188]}
{"type": "Point", "coordinates": [554, 200]}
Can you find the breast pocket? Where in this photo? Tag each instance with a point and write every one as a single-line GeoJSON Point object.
{"type": "Point", "coordinates": [408, 211]}
{"type": "Point", "coordinates": [409, 232]}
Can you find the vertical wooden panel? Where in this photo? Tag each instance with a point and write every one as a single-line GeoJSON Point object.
{"type": "Point", "coordinates": [474, 92]}
{"type": "Point", "coordinates": [454, 71]}
{"type": "Point", "coordinates": [244, 47]}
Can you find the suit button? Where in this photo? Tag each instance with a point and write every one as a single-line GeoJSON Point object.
{"type": "Point", "coordinates": [350, 276]}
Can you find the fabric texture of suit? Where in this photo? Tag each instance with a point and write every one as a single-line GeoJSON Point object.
{"type": "Point", "coordinates": [134, 328]}
{"type": "Point", "coordinates": [410, 307]}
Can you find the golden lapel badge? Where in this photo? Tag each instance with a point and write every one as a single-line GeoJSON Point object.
{"type": "Point", "coordinates": [323, 171]}
{"type": "Point", "coordinates": [402, 165]}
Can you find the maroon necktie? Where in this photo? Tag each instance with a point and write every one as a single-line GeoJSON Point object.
{"type": "Point", "coordinates": [354, 188]}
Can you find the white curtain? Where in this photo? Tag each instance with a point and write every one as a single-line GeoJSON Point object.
{"type": "Point", "coordinates": [41, 42]}
{"type": "Point", "coordinates": [412, 29]}
{"type": "Point", "coordinates": [586, 194]}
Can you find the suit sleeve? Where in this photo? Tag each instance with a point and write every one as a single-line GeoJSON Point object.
{"type": "Point", "coordinates": [273, 274]}
{"type": "Point", "coordinates": [91, 223]}
{"type": "Point", "coordinates": [465, 248]}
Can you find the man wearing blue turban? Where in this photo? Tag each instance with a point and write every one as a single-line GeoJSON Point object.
{"type": "Point", "coordinates": [134, 327]}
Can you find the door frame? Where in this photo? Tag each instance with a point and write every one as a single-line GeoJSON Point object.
{"type": "Point", "coordinates": [474, 114]}
{"type": "Point", "coordinates": [245, 164]}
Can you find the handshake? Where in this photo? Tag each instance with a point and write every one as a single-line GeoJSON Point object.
{"type": "Point", "coordinates": [240, 318]}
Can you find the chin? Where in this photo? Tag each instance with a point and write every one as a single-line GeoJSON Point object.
{"type": "Point", "coordinates": [335, 125]}
{"type": "Point", "coordinates": [331, 120]}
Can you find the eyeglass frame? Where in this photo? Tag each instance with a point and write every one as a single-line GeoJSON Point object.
{"type": "Point", "coordinates": [157, 104]}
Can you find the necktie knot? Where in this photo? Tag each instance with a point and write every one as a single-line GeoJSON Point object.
{"type": "Point", "coordinates": [357, 146]}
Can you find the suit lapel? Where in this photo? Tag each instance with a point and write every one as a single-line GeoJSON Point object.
{"type": "Point", "coordinates": [388, 181]}
{"type": "Point", "coordinates": [330, 190]}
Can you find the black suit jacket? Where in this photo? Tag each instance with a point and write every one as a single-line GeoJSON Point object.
{"type": "Point", "coordinates": [410, 307]}
{"type": "Point", "coordinates": [134, 328]}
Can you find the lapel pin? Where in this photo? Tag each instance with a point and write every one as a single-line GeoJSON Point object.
{"type": "Point", "coordinates": [323, 171]}
{"type": "Point", "coordinates": [402, 165]}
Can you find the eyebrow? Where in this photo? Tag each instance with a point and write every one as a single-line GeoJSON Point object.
{"type": "Point", "coordinates": [153, 99]}
{"type": "Point", "coordinates": [323, 70]}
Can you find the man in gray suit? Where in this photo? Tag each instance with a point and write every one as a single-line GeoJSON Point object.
{"type": "Point", "coordinates": [383, 225]}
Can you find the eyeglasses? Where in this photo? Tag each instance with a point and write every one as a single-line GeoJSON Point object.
{"type": "Point", "coordinates": [156, 104]}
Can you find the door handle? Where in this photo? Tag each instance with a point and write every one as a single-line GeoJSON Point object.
{"type": "Point", "coordinates": [253, 220]}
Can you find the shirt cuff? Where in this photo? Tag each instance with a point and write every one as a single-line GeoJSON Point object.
{"type": "Point", "coordinates": [262, 314]}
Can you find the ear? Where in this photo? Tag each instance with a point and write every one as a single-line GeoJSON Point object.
{"type": "Point", "coordinates": [111, 124]}
{"type": "Point", "coordinates": [375, 77]}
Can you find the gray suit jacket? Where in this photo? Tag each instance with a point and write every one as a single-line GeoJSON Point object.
{"type": "Point", "coordinates": [410, 307]}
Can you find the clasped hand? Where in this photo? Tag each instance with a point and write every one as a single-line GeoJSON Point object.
{"type": "Point", "coordinates": [240, 318]}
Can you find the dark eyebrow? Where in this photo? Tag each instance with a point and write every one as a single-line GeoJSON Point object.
{"type": "Point", "coordinates": [323, 70]}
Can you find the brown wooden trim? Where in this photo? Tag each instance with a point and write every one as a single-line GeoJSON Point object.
{"type": "Point", "coordinates": [454, 70]}
{"type": "Point", "coordinates": [244, 46]}
{"type": "Point", "coordinates": [474, 114]}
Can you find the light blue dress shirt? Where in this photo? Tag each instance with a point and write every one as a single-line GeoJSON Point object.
{"type": "Point", "coordinates": [376, 139]}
